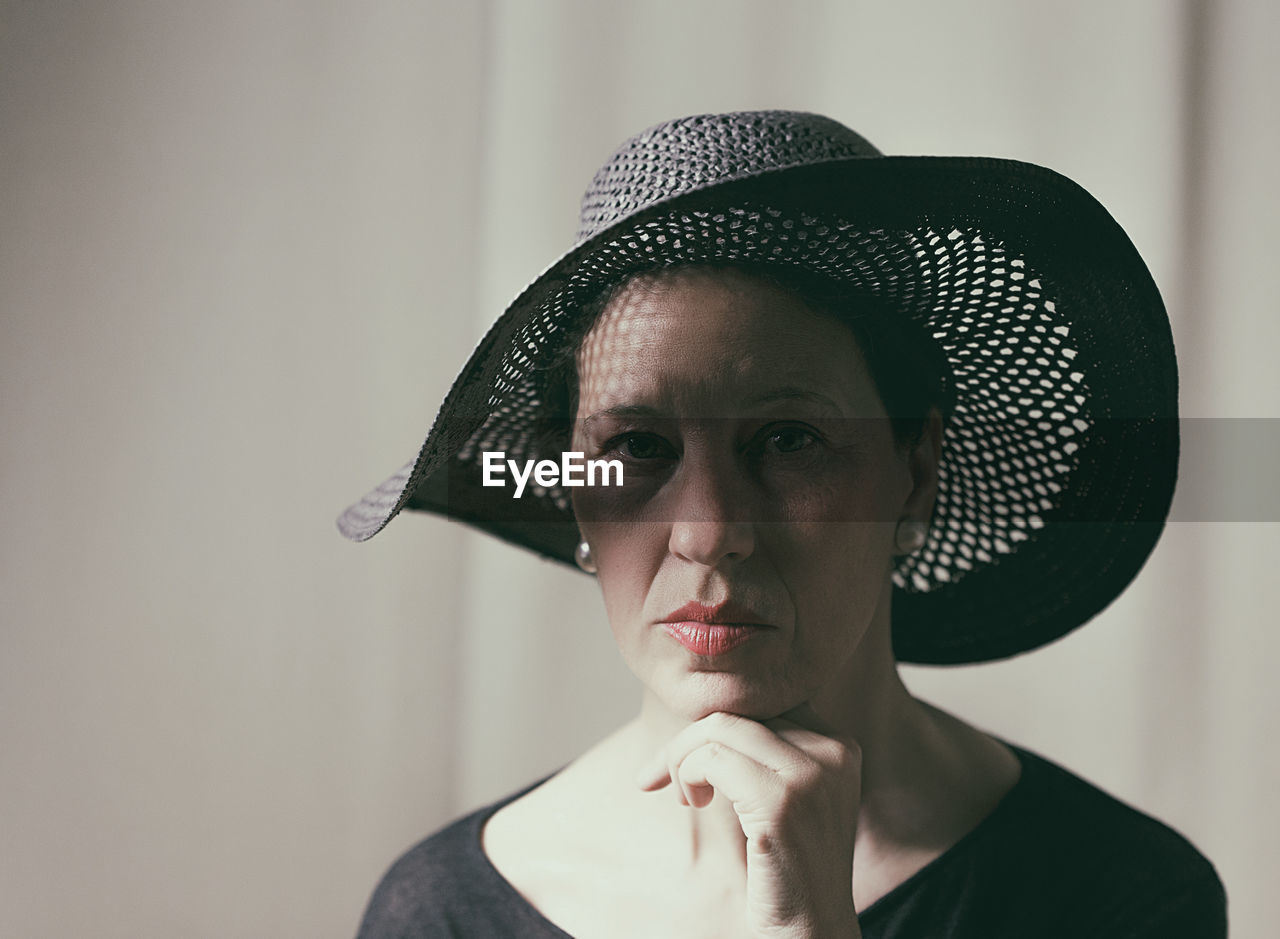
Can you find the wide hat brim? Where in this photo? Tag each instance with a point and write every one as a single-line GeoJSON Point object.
{"type": "Point", "coordinates": [1091, 463]}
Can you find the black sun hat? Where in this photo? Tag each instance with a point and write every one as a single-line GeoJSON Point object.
{"type": "Point", "coordinates": [1061, 451]}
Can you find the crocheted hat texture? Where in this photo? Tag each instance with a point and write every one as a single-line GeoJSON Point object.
{"type": "Point", "coordinates": [1060, 454]}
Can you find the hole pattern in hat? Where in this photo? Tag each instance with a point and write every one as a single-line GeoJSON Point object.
{"type": "Point", "coordinates": [691, 152]}
{"type": "Point", "coordinates": [1022, 408]}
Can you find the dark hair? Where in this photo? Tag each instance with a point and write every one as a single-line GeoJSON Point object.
{"type": "Point", "coordinates": [908, 369]}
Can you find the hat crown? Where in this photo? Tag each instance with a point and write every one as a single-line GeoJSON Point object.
{"type": "Point", "coordinates": [691, 153]}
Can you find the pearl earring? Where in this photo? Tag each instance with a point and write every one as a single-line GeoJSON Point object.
{"type": "Point", "coordinates": [910, 535]}
{"type": "Point", "coordinates": [584, 557]}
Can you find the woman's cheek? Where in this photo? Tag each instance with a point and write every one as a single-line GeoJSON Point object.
{"type": "Point", "coordinates": [628, 502]}
{"type": "Point", "coordinates": [822, 490]}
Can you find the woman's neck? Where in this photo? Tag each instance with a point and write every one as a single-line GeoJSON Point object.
{"type": "Point", "coordinates": [927, 779]}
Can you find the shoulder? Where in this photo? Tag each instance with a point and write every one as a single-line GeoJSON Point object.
{"type": "Point", "coordinates": [444, 886]}
{"type": "Point", "coordinates": [1105, 861]}
{"type": "Point", "coordinates": [1075, 813]}
{"type": "Point", "coordinates": [428, 886]}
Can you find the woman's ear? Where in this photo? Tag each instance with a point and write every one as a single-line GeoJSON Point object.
{"type": "Point", "coordinates": [922, 462]}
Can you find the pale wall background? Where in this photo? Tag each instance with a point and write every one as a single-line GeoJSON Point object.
{"type": "Point", "coordinates": [245, 245]}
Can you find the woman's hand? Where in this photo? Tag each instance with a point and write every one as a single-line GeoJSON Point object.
{"type": "Point", "coordinates": [796, 792]}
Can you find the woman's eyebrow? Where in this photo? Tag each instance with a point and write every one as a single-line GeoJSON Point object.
{"type": "Point", "coordinates": [785, 393]}
{"type": "Point", "coordinates": [789, 393]}
{"type": "Point", "coordinates": [623, 410]}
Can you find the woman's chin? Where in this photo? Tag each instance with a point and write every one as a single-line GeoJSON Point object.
{"type": "Point", "coordinates": [696, 695]}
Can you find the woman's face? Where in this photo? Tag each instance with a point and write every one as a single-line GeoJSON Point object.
{"type": "Point", "coordinates": [749, 550]}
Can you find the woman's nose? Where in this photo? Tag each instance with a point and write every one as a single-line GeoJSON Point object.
{"type": "Point", "coordinates": [712, 522]}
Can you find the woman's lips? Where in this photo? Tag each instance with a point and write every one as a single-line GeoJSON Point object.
{"type": "Point", "coordinates": [710, 638]}
{"type": "Point", "coordinates": [706, 629]}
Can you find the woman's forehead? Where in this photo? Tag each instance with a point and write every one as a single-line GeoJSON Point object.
{"type": "Point", "coordinates": [692, 338]}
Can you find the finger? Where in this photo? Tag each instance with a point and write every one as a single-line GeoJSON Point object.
{"type": "Point", "coordinates": [725, 728]}
{"type": "Point", "coordinates": [655, 774]}
{"type": "Point", "coordinates": [751, 738]}
{"type": "Point", "coordinates": [748, 737]}
{"type": "Point", "coordinates": [817, 750]}
{"type": "Point", "coordinates": [804, 728]}
{"type": "Point", "coordinates": [715, 768]}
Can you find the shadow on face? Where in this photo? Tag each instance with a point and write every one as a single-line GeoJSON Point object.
{"type": "Point", "coordinates": [760, 469]}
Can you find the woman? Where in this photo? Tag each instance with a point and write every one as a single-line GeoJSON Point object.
{"type": "Point", "coordinates": [867, 409]}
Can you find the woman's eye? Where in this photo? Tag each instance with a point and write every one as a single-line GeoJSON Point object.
{"type": "Point", "coordinates": [790, 439]}
{"type": "Point", "coordinates": [642, 446]}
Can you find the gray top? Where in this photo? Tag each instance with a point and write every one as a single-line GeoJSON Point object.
{"type": "Point", "coordinates": [1056, 858]}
